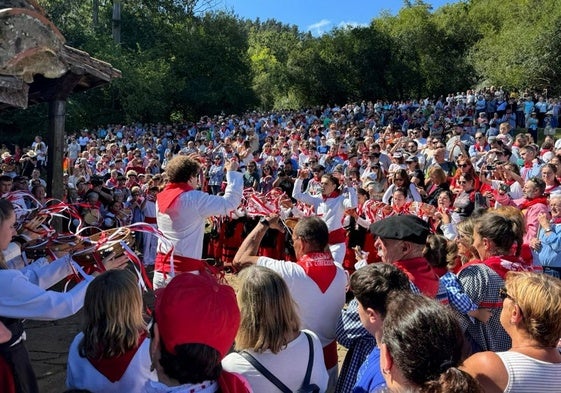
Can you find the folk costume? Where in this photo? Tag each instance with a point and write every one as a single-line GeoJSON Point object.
{"type": "Point", "coordinates": [331, 208]}
{"type": "Point", "coordinates": [181, 216]}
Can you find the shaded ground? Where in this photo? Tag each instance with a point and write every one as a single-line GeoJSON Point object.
{"type": "Point", "coordinates": [48, 343]}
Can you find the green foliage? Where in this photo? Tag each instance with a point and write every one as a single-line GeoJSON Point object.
{"type": "Point", "coordinates": [180, 62]}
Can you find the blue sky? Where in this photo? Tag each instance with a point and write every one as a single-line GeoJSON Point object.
{"type": "Point", "coordinates": [317, 16]}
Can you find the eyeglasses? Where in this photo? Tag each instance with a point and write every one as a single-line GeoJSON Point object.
{"type": "Point", "coordinates": [462, 182]}
{"type": "Point", "coordinates": [478, 137]}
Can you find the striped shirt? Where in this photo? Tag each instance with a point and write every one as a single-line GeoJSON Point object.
{"type": "Point", "coordinates": [529, 375]}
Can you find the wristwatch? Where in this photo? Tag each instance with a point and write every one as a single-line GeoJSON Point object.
{"type": "Point", "coordinates": [264, 221]}
{"type": "Point", "coordinates": [548, 230]}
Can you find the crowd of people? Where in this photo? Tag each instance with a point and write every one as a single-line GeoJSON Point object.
{"type": "Point", "coordinates": [442, 212]}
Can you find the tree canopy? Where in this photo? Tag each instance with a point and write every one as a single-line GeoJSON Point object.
{"type": "Point", "coordinates": [181, 59]}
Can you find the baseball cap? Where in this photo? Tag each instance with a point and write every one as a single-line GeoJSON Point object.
{"type": "Point", "coordinates": [197, 309]}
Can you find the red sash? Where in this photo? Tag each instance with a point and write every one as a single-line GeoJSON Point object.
{"type": "Point", "coordinates": [502, 264]}
{"type": "Point", "coordinates": [181, 264]}
{"type": "Point", "coordinates": [330, 355]}
{"type": "Point", "coordinates": [114, 368]}
{"type": "Point", "coordinates": [337, 236]}
{"type": "Point", "coordinates": [7, 383]}
{"type": "Point", "coordinates": [150, 220]}
{"type": "Point", "coordinates": [170, 194]}
{"type": "Point", "coordinates": [319, 267]}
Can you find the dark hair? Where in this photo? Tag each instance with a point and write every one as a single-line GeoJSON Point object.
{"type": "Point", "coordinates": [314, 231]}
{"type": "Point", "coordinates": [192, 363]}
{"type": "Point", "coordinates": [501, 230]}
{"type": "Point", "coordinates": [426, 356]}
{"type": "Point", "coordinates": [373, 283]}
{"type": "Point", "coordinates": [181, 169]}
{"type": "Point", "coordinates": [439, 252]}
{"type": "Point", "coordinates": [332, 179]}
{"type": "Point", "coordinates": [406, 180]}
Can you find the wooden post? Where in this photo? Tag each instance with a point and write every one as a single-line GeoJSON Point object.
{"type": "Point", "coordinates": [56, 136]}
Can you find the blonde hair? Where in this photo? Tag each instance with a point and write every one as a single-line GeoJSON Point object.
{"type": "Point", "coordinates": [465, 230]}
{"type": "Point", "coordinates": [113, 320]}
{"type": "Point", "coordinates": [539, 299]}
{"type": "Point", "coordinates": [438, 173]}
{"type": "Point", "coordinates": [268, 312]}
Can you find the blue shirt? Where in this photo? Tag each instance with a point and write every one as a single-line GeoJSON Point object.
{"type": "Point", "coordinates": [369, 377]}
{"type": "Point", "coordinates": [550, 252]}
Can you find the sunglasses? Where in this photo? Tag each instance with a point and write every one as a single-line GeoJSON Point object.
{"type": "Point", "coordinates": [503, 294]}
{"type": "Point", "coordinates": [463, 165]}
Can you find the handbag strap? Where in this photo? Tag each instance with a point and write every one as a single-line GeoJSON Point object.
{"type": "Point", "coordinates": [310, 361]}
{"type": "Point", "coordinates": [274, 380]}
{"type": "Point", "coordinates": [266, 373]}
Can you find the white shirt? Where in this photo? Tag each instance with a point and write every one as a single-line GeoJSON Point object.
{"type": "Point", "coordinates": [289, 366]}
{"type": "Point", "coordinates": [183, 223]}
{"type": "Point", "coordinates": [81, 374]}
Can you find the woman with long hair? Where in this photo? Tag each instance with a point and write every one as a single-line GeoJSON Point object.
{"type": "Point", "coordinates": [530, 316]}
{"type": "Point", "coordinates": [111, 354]}
{"type": "Point", "coordinates": [266, 180]}
{"type": "Point", "coordinates": [465, 166]}
{"type": "Point", "coordinates": [416, 357]}
{"type": "Point", "coordinates": [464, 203]}
{"type": "Point", "coordinates": [401, 180]}
{"type": "Point", "coordinates": [270, 333]}
{"type": "Point", "coordinates": [495, 236]}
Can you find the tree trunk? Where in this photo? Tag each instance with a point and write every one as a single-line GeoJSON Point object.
{"type": "Point", "coordinates": [95, 13]}
{"type": "Point", "coordinates": [117, 21]}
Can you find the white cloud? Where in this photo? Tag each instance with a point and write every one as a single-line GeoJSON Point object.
{"type": "Point", "coordinates": [351, 25]}
{"type": "Point", "coordinates": [320, 27]}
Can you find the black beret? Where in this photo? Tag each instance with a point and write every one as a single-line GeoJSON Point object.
{"type": "Point", "coordinates": [405, 227]}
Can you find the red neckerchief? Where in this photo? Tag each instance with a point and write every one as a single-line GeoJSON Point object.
{"type": "Point", "coordinates": [478, 147]}
{"type": "Point", "coordinates": [334, 194]}
{"type": "Point", "coordinates": [402, 210]}
{"type": "Point", "coordinates": [502, 264]}
{"type": "Point", "coordinates": [528, 164]}
{"type": "Point", "coordinates": [170, 194]}
{"type": "Point", "coordinates": [531, 202]}
{"type": "Point", "coordinates": [421, 274]}
{"type": "Point", "coordinates": [556, 220]}
{"type": "Point", "coordinates": [549, 188]}
{"type": "Point", "coordinates": [319, 267]}
{"type": "Point", "coordinates": [114, 368]}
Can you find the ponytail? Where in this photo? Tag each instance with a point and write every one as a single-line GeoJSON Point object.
{"type": "Point", "coordinates": [451, 380]}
